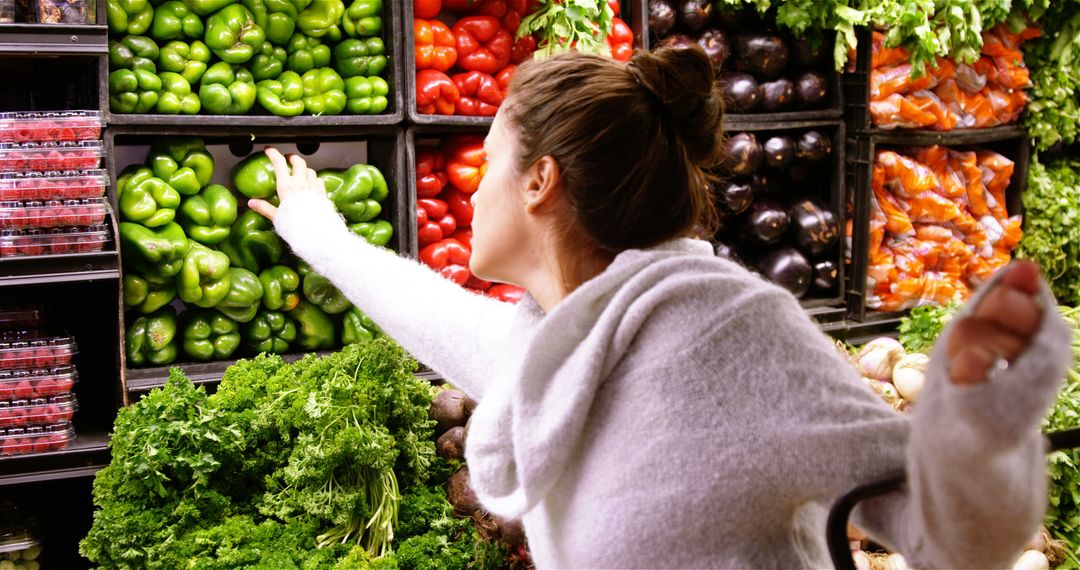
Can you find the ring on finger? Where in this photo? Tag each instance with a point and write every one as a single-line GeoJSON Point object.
{"type": "Point", "coordinates": [997, 367]}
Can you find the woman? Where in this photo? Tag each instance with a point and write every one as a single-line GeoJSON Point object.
{"type": "Point", "coordinates": [650, 405]}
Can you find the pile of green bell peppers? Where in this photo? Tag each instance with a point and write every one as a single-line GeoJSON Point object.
{"type": "Point", "coordinates": [233, 57]}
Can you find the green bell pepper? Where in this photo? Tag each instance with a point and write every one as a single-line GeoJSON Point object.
{"type": "Point", "coordinates": [147, 293]}
{"type": "Point", "coordinates": [282, 96]}
{"type": "Point", "coordinates": [269, 331]}
{"type": "Point", "coordinates": [377, 232]}
{"type": "Point", "coordinates": [144, 198]}
{"type": "Point", "coordinates": [360, 58]}
{"type": "Point", "coordinates": [206, 7]}
{"type": "Point", "coordinates": [307, 53]}
{"type": "Point", "coordinates": [314, 328]}
{"type": "Point", "coordinates": [356, 192]}
{"type": "Point", "coordinates": [319, 291]}
{"type": "Point", "coordinates": [204, 278]}
{"type": "Point", "coordinates": [157, 252]}
{"type": "Point", "coordinates": [128, 16]}
{"type": "Point", "coordinates": [254, 177]}
{"type": "Point", "coordinates": [176, 96]}
{"type": "Point", "coordinates": [189, 60]}
{"type": "Point", "coordinates": [173, 20]}
{"type": "Point", "coordinates": [322, 18]}
{"type": "Point", "coordinates": [183, 163]}
{"type": "Point", "coordinates": [280, 288]}
{"type": "Point", "coordinates": [252, 243]}
{"type": "Point", "coordinates": [324, 92]}
{"type": "Point", "coordinates": [227, 89]}
{"type": "Point", "coordinates": [245, 296]}
{"type": "Point", "coordinates": [133, 52]}
{"type": "Point", "coordinates": [208, 215]}
{"type": "Point", "coordinates": [233, 35]}
{"type": "Point", "coordinates": [268, 63]}
{"type": "Point", "coordinates": [210, 336]}
{"type": "Point", "coordinates": [363, 18]}
{"type": "Point", "coordinates": [276, 17]}
{"type": "Point", "coordinates": [358, 327]}
{"type": "Point", "coordinates": [151, 339]}
{"type": "Point", "coordinates": [133, 91]}
{"type": "Point", "coordinates": [366, 95]}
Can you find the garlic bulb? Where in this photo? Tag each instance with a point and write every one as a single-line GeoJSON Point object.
{"type": "Point", "coordinates": [877, 358]}
{"type": "Point", "coordinates": [909, 375]}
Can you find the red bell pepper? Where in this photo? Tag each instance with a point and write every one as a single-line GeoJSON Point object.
{"type": "Point", "coordinates": [429, 212]}
{"type": "Point", "coordinates": [614, 5]}
{"type": "Point", "coordinates": [463, 235]}
{"type": "Point", "coordinates": [477, 283]}
{"type": "Point", "coordinates": [504, 78]}
{"type": "Point", "coordinates": [460, 205]}
{"type": "Point", "coordinates": [447, 224]}
{"type": "Point", "coordinates": [436, 94]}
{"type": "Point", "coordinates": [482, 44]}
{"type": "Point", "coordinates": [462, 5]}
{"type": "Point", "coordinates": [493, 8]}
{"type": "Point", "coordinates": [459, 274]}
{"type": "Point", "coordinates": [436, 46]}
{"type": "Point", "coordinates": [466, 163]}
{"type": "Point", "coordinates": [430, 172]}
{"type": "Point", "coordinates": [480, 94]}
{"type": "Point", "coordinates": [523, 49]}
{"type": "Point", "coordinates": [506, 293]}
{"type": "Point", "coordinates": [621, 40]}
{"type": "Point", "coordinates": [435, 208]}
{"type": "Point", "coordinates": [445, 252]}
{"type": "Point", "coordinates": [428, 233]}
{"type": "Point", "coordinates": [426, 8]}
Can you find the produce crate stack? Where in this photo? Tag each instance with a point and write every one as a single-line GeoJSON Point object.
{"type": "Point", "coordinates": [19, 539]}
{"type": "Point", "coordinates": [936, 168]}
{"type": "Point", "coordinates": [50, 187]}
{"type": "Point", "coordinates": [36, 379]}
{"type": "Point", "coordinates": [206, 279]}
{"type": "Point", "coordinates": [224, 57]}
{"type": "Point", "coordinates": [48, 11]}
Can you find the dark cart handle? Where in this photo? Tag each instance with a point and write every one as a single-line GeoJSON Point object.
{"type": "Point", "coordinates": [837, 525]}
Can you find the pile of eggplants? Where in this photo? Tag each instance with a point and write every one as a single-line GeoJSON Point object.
{"type": "Point", "coordinates": [771, 193]}
{"type": "Point", "coordinates": [759, 70]}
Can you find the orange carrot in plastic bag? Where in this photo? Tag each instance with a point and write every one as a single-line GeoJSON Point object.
{"type": "Point", "coordinates": [903, 176]}
{"type": "Point", "coordinates": [1011, 71]}
{"type": "Point", "coordinates": [1013, 227]}
{"type": "Point", "coordinates": [932, 207]}
{"type": "Point", "coordinates": [897, 222]}
{"type": "Point", "coordinates": [978, 106]}
{"type": "Point", "coordinates": [933, 233]}
{"type": "Point", "coordinates": [881, 56]}
{"type": "Point", "coordinates": [897, 111]}
{"type": "Point", "coordinates": [927, 101]}
{"type": "Point", "coordinates": [885, 81]}
{"type": "Point", "coordinates": [979, 270]}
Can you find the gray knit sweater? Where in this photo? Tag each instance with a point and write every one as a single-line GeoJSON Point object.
{"type": "Point", "coordinates": [677, 412]}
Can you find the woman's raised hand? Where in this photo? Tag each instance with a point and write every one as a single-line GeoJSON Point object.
{"type": "Point", "coordinates": [293, 176]}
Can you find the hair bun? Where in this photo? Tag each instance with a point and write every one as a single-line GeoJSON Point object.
{"type": "Point", "coordinates": [682, 81]}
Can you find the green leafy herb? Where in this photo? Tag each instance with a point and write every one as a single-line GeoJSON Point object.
{"type": "Point", "coordinates": [1052, 225]}
{"type": "Point", "coordinates": [1063, 515]}
{"type": "Point", "coordinates": [563, 25]}
{"type": "Point", "coordinates": [922, 326]}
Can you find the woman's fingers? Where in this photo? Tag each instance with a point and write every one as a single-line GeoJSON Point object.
{"type": "Point", "coordinates": [281, 170]}
{"type": "Point", "coordinates": [263, 207]}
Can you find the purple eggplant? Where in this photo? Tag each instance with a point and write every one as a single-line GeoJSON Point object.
{"type": "Point", "coordinates": [716, 45]}
{"type": "Point", "coordinates": [764, 56]}
{"type": "Point", "coordinates": [811, 89]}
{"type": "Point", "coordinates": [766, 222]}
{"type": "Point", "coordinates": [806, 53]}
{"type": "Point", "coordinates": [742, 93]}
{"type": "Point", "coordinates": [694, 15]}
{"type": "Point", "coordinates": [662, 17]}
{"type": "Point", "coordinates": [744, 154]}
{"type": "Point", "coordinates": [826, 275]}
{"type": "Point", "coordinates": [733, 198]}
{"type": "Point", "coordinates": [779, 152]}
{"type": "Point", "coordinates": [727, 252]}
{"type": "Point", "coordinates": [813, 146]}
{"type": "Point", "coordinates": [816, 227]}
{"type": "Point", "coordinates": [678, 41]}
{"type": "Point", "coordinates": [789, 269]}
{"type": "Point", "coordinates": [777, 95]}
{"type": "Point", "coordinates": [761, 185]}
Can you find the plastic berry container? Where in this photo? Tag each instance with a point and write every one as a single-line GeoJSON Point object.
{"type": "Point", "coordinates": [50, 126]}
{"type": "Point", "coordinates": [36, 439]}
{"type": "Point", "coordinates": [37, 383]}
{"type": "Point", "coordinates": [37, 411]}
{"type": "Point", "coordinates": [21, 317]}
{"type": "Point", "coordinates": [19, 535]}
{"type": "Point", "coordinates": [52, 213]}
{"type": "Point", "coordinates": [21, 350]}
{"type": "Point", "coordinates": [22, 157]}
{"type": "Point", "coordinates": [54, 185]}
{"type": "Point", "coordinates": [25, 243]}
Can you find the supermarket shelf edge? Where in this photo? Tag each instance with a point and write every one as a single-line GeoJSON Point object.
{"type": "Point", "coordinates": [59, 268]}
{"type": "Point", "coordinates": [87, 454]}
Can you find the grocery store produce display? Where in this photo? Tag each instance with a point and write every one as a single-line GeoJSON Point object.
{"type": "Point", "coordinates": [207, 279]}
{"type": "Point", "coordinates": [19, 533]}
{"type": "Point", "coordinates": [327, 462]}
{"type": "Point", "coordinates": [288, 57]}
{"type": "Point", "coordinates": [1052, 228]}
{"type": "Point", "coordinates": [790, 236]}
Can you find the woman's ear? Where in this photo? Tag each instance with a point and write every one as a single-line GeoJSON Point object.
{"type": "Point", "coordinates": [544, 185]}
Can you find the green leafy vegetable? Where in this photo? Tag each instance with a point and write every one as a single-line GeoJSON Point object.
{"type": "Point", "coordinates": [1063, 515]}
{"type": "Point", "coordinates": [1052, 225]}
{"type": "Point", "coordinates": [563, 25]}
{"type": "Point", "coordinates": [921, 327]}
{"type": "Point", "coordinates": [1053, 111]}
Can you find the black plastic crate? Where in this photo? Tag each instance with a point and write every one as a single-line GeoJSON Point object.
{"type": "Point", "coordinates": [392, 14]}
{"type": "Point", "coordinates": [826, 308]}
{"type": "Point", "coordinates": [633, 12]}
{"type": "Point", "coordinates": [1010, 142]}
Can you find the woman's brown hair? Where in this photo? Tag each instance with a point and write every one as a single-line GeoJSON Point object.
{"type": "Point", "coordinates": [634, 142]}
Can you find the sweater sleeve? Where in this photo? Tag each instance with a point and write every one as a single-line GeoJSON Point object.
{"type": "Point", "coordinates": [976, 460]}
{"type": "Point", "coordinates": [455, 332]}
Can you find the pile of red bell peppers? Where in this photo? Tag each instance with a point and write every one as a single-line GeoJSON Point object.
{"type": "Point", "coordinates": [446, 177]}
{"type": "Point", "coordinates": [466, 68]}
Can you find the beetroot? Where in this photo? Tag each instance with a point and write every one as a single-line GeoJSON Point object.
{"type": "Point", "coordinates": [451, 445]}
{"type": "Point", "coordinates": [461, 495]}
{"type": "Point", "coordinates": [449, 410]}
